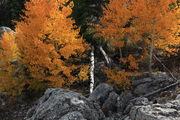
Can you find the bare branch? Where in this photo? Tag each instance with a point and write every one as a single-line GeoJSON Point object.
{"type": "Point", "coordinates": [164, 67]}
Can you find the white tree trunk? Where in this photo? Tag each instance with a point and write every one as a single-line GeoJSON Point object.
{"type": "Point", "coordinates": [105, 55]}
{"type": "Point", "coordinates": [92, 71]}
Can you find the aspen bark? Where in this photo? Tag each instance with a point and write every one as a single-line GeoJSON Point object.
{"type": "Point", "coordinates": [92, 71]}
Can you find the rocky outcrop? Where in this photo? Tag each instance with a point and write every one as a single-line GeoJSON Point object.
{"type": "Point", "coordinates": [110, 102]}
{"type": "Point", "coordinates": [168, 111]}
{"type": "Point", "coordinates": [59, 104]}
{"type": "Point", "coordinates": [149, 84]}
{"type": "Point", "coordinates": [73, 116]}
{"type": "Point", "coordinates": [100, 94]}
{"type": "Point", "coordinates": [105, 104]}
{"type": "Point", "coordinates": [123, 101]}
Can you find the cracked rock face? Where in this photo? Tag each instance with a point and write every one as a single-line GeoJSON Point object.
{"type": "Point", "coordinates": [59, 104]}
{"type": "Point", "coordinates": [73, 116]}
{"type": "Point", "coordinates": [168, 111]}
{"type": "Point", "coordinates": [106, 98]}
{"type": "Point", "coordinates": [103, 104]}
{"type": "Point", "coordinates": [112, 104]}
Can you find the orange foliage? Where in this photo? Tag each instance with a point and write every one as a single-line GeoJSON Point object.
{"type": "Point", "coordinates": [131, 61]}
{"type": "Point", "coordinates": [139, 21]}
{"type": "Point", "coordinates": [46, 39]}
{"type": "Point", "coordinates": [156, 19]}
{"type": "Point", "coordinates": [114, 23]}
{"type": "Point", "coordinates": [83, 74]}
{"type": "Point", "coordinates": [9, 84]}
{"type": "Point", "coordinates": [9, 50]}
{"type": "Point", "coordinates": [176, 29]}
{"type": "Point", "coordinates": [118, 77]}
{"type": "Point", "coordinates": [131, 20]}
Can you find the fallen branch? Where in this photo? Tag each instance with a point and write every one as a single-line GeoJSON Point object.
{"type": "Point", "coordinates": [167, 87]}
{"type": "Point", "coordinates": [164, 67]}
{"type": "Point", "coordinates": [162, 89]}
{"type": "Point", "coordinates": [158, 91]}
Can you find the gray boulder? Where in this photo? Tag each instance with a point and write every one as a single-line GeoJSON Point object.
{"type": "Point", "coordinates": [168, 111]}
{"type": "Point", "coordinates": [134, 102]}
{"type": "Point", "coordinates": [178, 97]}
{"type": "Point", "coordinates": [140, 101]}
{"type": "Point", "coordinates": [105, 96]}
{"type": "Point", "coordinates": [5, 29]}
{"type": "Point", "coordinates": [123, 101]}
{"type": "Point", "coordinates": [59, 104]}
{"type": "Point", "coordinates": [115, 116]}
{"type": "Point", "coordinates": [100, 94]}
{"type": "Point", "coordinates": [73, 116]}
{"type": "Point", "coordinates": [110, 104]}
{"type": "Point", "coordinates": [149, 84]}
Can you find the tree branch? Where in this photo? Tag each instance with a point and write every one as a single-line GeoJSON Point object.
{"type": "Point", "coordinates": [108, 60]}
{"type": "Point", "coordinates": [164, 67]}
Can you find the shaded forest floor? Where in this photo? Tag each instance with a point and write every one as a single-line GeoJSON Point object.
{"type": "Point", "coordinates": [15, 110]}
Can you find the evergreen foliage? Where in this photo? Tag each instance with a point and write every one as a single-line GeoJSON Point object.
{"type": "Point", "coordinates": [86, 12]}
